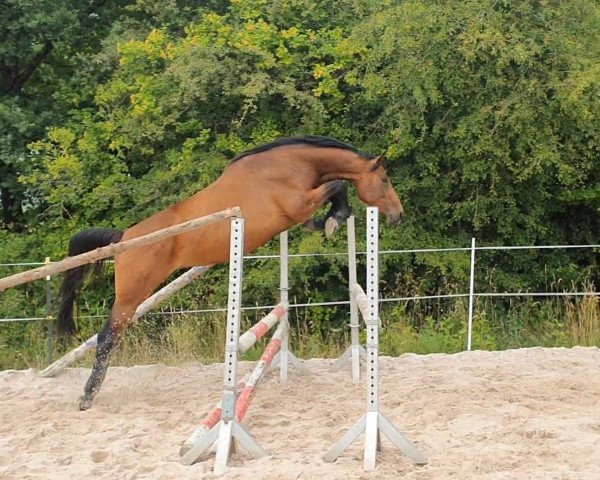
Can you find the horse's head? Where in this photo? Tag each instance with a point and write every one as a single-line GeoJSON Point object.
{"type": "Point", "coordinates": [375, 189]}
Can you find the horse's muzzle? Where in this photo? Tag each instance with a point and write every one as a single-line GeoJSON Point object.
{"type": "Point", "coordinates": [395, 218]}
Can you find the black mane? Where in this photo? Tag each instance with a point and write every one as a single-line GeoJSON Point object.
{"type": "Point", "coordinates": [314, 141]}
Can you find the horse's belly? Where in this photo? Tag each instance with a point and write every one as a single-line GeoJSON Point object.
{"type": "Point", "coordinates": [212, 245]}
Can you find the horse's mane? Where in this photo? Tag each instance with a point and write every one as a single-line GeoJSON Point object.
{"type": "Point", "coordinates": [313, 141]}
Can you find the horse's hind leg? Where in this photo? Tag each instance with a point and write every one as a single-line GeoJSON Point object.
{"type": "Point", "coordinates": [108, 339]}
{"type": "Point", "coordinates": [136, 278]}
{"type": "Point", "coordinates": [336, 193]}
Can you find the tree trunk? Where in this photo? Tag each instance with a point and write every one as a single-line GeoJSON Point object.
{"type": "Point", "coordinates": [9, 203]}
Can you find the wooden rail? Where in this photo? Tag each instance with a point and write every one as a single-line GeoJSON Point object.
{"type": "Point", "coordinates": [115, 249]}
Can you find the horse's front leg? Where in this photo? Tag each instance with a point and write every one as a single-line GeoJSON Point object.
{"type": "Point", "coordinates": [336, 193]}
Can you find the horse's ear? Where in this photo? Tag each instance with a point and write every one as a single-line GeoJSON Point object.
{"type": "Point", "coordinates": [377, 162]}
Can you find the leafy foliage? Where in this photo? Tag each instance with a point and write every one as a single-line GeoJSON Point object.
{"type": "Point", "coordinates": [487, 110]}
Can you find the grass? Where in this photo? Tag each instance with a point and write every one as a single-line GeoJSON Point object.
{"type": "Point", "coordinates": [558, 322]}
{"type": "Point", "coordinates": [174, 340]}
{"type": "Point", "coordinates": [583, 320]}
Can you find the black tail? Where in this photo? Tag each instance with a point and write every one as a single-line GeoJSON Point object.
{"type": "Point", "coordinates": [80, 243]}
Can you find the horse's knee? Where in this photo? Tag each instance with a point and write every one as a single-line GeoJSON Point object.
{"type": "Point", "coordinates": [336, 187]}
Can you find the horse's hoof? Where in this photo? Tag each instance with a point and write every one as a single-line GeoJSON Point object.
{"type": "Point", "coordinates": [331, 226]}
{"type": "Point", "coordinates": [84, 404]}
{"type": "Point", "coordinates": [310, 225]}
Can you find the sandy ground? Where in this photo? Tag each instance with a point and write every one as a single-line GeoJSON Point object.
{"type": "Point", "coordinates": [520, 414]}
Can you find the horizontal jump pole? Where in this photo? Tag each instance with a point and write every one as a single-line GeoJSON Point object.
{"type": "Point", "coordinates": [249, 338]}
{"type": "Point", "coordinates": [168, 291]}
{"type": "Point", "coordinates": [361, 299]}
{"type": "Point", "coordinates": [115, 248]}
{"type": "Point", "coordinates": [143, 308]}
{"type": "Point", "coordinates": [70, 358]}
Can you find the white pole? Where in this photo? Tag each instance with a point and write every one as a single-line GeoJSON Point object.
{"type": "Point", "coordinates": [471, 296]}
{"type": "Point", "coordinates": [373, 298]}
{"type": "Point", "coordinates": [372, 371]}
{"type": "Point", "coordinates": [234, 310]}
{"type": "Point", "coordinates": [354, 320]}
{"type": "Point", "coordinates": [234, 304]}
{"type": "Point", "coordinates": [283, 297]}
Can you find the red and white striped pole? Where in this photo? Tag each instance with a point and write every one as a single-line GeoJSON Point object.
{"type": "Point", "coordinates": [249, 338]}
{"type": "Point", "coordinates": [260, 328]}
{"type": "Point", "coordinates": [273, 347]}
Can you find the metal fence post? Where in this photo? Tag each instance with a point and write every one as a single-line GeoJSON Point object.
{"type": "Point", "coordinates": [354, 318]}
{"type": "Point", "coordinates": [284, 297]}
{"type": "Point", "coordinates": [471, 296]}
{"type": "Point", "coordinates": [49, 318]}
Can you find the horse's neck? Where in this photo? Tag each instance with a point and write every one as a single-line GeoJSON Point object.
{"type": "Point", "coordinates": [336, 164]}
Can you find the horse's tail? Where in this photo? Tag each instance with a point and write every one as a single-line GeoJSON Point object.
{"type": "Point", "coordinates": [80, 243]}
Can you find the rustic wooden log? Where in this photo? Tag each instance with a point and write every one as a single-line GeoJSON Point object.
{"type": "Point", "coordinates": [115, 249]}
{"type": "Point", "coordinates": [70, 358]}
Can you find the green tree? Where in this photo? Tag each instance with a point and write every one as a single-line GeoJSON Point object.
{"type": "Point", "coordinates": [52, 56]}
{"type": "Point", "coordinates": [39, 43]}
{"type": "Point", "coordinates": [488, 111]}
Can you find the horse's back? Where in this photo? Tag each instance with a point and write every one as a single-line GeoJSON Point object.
{"type": "Point", "coordinates": [270, 191]}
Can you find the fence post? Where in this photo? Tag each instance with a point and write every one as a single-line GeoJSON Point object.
{"type": "Point", "coordinates": [234, 306]}
{"type": "Point", "coordinates": [283, 297]}
{"type": "Point", "coordinates": [354, 319]}
{"type": "Point", "coordinates": [49, 318]}
{"type": "Point", "coordinates": [471, 296]}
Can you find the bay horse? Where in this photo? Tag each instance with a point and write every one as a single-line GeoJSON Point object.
{"type": "Point", "coordinates": [276, 186]}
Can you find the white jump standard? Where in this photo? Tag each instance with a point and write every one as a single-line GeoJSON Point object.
{"type": "Point", "coordinates": [355, 352]}
{"type": "Point", "coordinates": [284, 357]}
{"type": "Point", "coordinates": [228, 430]}
{"type": "Point", "coordinates": [373, 421]}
